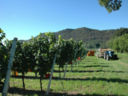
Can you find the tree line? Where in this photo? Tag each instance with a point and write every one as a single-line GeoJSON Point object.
{"type": "Point", "coordinates": [119, 42]}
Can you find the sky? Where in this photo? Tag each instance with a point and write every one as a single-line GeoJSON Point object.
{"type": "Point", "coordinates": [26, 18]}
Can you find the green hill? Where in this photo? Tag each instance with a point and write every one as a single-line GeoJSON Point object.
{"type": "Point", "coordinates": [90, 36]}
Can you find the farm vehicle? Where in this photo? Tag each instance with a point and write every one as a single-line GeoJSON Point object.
{"type": "Point", "coordinates": [100, 52]}
{"type": "Point", "coordinates": [107, 54]}
{"type": "Point", "coordinates": [110, 55]}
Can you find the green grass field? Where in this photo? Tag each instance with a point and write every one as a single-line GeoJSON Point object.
{"type": "Point", "coordinates": [92, 77]}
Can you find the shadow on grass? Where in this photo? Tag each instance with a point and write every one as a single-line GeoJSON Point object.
{"type": "Point", "coordinates": [26, 77]}
{"type": "Point", "coordinates": [82, 71]}
{"type": "Point", "coordinates": [79, 71]}
{"type": "Point", "coordinates": [22, 92]}
{"type": "Point", "coordinates": [84, 79]}
{"type": "Point", "coordinates": [114, 80]}
{"type": "Point", "coordinates": [93, 66]}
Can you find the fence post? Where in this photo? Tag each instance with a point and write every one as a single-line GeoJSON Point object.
{"type": "Point", "coordinates": [65, 70]}
{"type": "Point", "coordinates": [71, 67]}
{"type": "Point", "coordinates": [10, 64]}
{"type": "Point", "coordinates": [50, 79]}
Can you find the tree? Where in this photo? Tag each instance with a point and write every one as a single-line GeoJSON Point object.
{"type": "Point", "coordinates": [3, 56]}
{"type": "Point", "coordinates": [121, 32]}
{"type": "Point", "coordinates": [3, 61]}
{"type": "Point", "coordinates": [43, 49]}
{"type": "Point", "coordinates": [111, 5]}
{"type": "Point", "coordinates": [119, 44]}
{"type": "Point", "coordinates": [2, 35]}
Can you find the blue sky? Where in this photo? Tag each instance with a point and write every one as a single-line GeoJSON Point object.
{"type": "Point", "coordinates": [27, 18]}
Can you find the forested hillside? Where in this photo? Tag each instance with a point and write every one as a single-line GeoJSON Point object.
{"type": "Point", "coordinates": [91, 37]}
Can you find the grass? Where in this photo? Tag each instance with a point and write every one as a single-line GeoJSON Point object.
{"type": "Point", "coordinates": [92, 77]}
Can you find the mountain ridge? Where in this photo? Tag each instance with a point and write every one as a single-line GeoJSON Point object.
{"type": "Point", "coordinates": [89, 36]}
